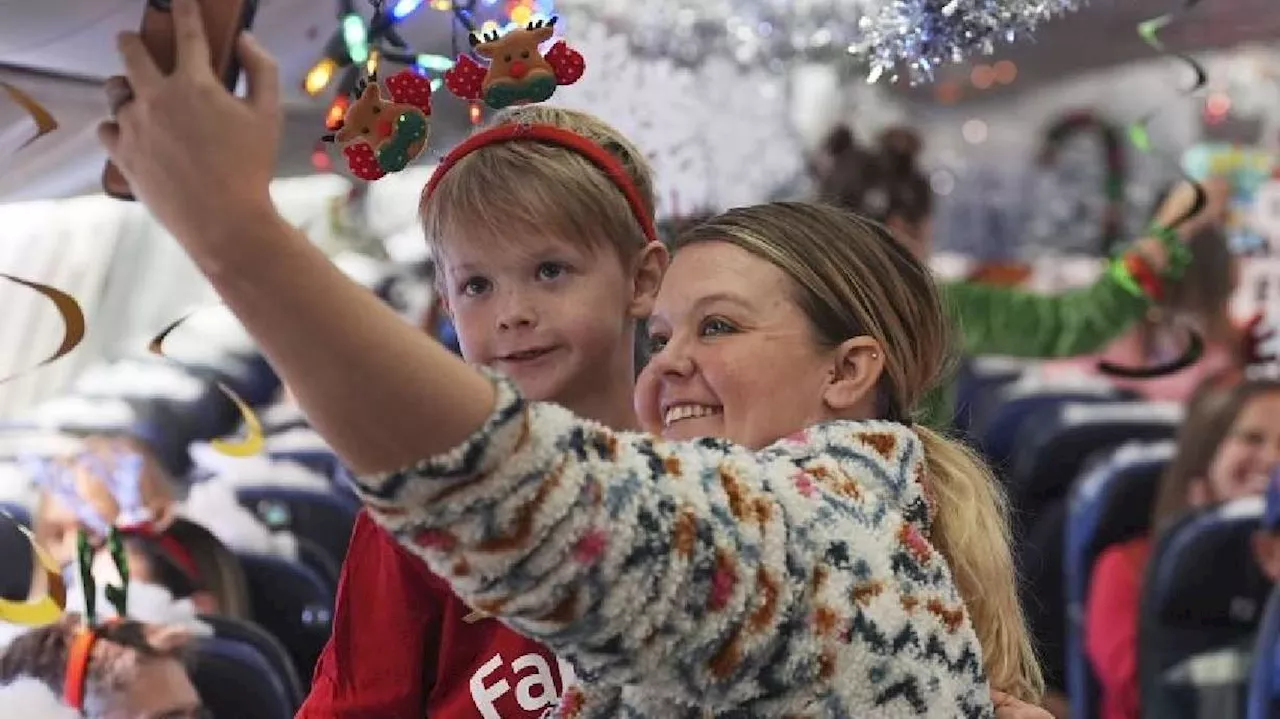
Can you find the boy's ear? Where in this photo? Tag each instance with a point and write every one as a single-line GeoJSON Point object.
{"type": "Point", "coordinates": [646, 277]}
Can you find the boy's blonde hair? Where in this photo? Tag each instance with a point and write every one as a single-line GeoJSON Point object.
{"type": "Point", "coordinates": [851, 278]}
{"type": "Point", "coordinates": [510, 189]}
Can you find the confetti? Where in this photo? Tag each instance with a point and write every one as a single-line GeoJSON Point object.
{"type": "Point", "coordinates": [43, 119]}
{"type": "Point", "coordinates": [253, 441]}
{"type": "Point", "coordinates": [73, 321]}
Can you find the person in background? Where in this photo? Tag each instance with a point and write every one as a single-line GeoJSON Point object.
{"type": "Point", "coordinates": [885, 183]}
{"type": "Point", "coordinates": [133, 670]}
{"type": "Point", "coordinates": [56, 523]}
{"type": "Point", "coordinates": [1228, 448]}
{"type": "Point", "coordinates": [1200, 302]}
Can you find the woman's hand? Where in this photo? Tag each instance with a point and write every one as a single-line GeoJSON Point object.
{"type": "Point", "coordinates": [195, 154]}
{"type": "Point", "coordinates": [1008, 707]}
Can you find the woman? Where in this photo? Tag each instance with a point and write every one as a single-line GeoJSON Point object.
{"type": "Point", "coordinates": [885, 183]}
{"type": "Point", "coordinates": [804, 578]}
{"type": "Point", "coordinates": [1228, 448]}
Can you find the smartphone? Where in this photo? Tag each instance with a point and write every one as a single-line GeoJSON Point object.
{"type": "Point", "coordinates": [224, 20]}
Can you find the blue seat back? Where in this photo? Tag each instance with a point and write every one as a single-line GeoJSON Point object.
{"type": "Point", "coordinates": [236, 682]}
{"type": "Point", "coordinates": [1054, 449]}
{"type": "Point", "coordinates": [1203, 592]}
{"type": "Point", "coordinates": [268, 647]}
{"type": "Point", "coordinates": [18, 512]}
{"type": "Point", "coordinates": [323, 518]}
{"type": "Point", "coordinates": [1264, 684]}
{"type": "Point", "coordinates": [977, 382]}
{"type": "Point", "coordinates": [16, 563]}
{"type": "Point", "coordinates": [999, 430]}
{"type": "Point", "coordinates": [294, 603]}
{"type": "Point", "coordinates": [1110, 504]}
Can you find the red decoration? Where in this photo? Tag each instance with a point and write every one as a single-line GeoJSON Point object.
{"type": "Point", "coordinates": [567, 63]}
{"type": "Point", "coordinates": [384, 134]}
{"type": "Point", "coordinates": [518, 72]}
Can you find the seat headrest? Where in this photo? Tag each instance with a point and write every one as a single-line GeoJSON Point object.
{"type": "Point", "coordinates": [1203, 574]}
{"type": "Point", "coordinates": [1030, 385]}
{"type": "Point", "coordinates": [1129, 458]}
{"type": "Point", "coordinates": [1121, 413]}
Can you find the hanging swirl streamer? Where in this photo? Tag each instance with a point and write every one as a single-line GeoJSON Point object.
{"type": "Point", "coordinates": [73, 322]}
{"type": "Point", "coordinates": [1084, 121]}
{"type": "Point", "coordinates": [40, 116]}
{"type": "Point", "coordinates": [253, 441]}
{"type": "Point", "coordinates": [42, 610]}
{"type": "Point", "coordinates": [1139, 135]}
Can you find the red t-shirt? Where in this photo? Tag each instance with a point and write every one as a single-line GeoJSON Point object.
{"type": "Point", "coordinates": [401, 648]}
{"type": "Point", "coordinates": [1111, 626]}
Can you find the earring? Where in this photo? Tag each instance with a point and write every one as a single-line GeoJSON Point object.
{"type": "Point", "coordinates": [875, 355]}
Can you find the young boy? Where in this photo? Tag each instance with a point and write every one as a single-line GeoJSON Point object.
{"type": "Point", "coordinates": [547, 261]}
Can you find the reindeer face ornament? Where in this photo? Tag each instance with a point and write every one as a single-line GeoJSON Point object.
{"type": "Point", "coordinates": [518, 73]}
{"type": "Point", "coordinates": [383, 133]}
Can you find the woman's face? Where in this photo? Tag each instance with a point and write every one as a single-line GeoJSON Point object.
{"type": "Point", "coordinates": [734, 356]}
{"type": "Point", "coordinates": [1249, 454]}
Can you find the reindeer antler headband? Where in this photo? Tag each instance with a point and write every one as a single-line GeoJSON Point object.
{"type": "Point", "coordinates": [561, 137]}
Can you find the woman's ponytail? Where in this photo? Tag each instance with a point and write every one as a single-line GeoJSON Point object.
{"type": "Point", "coordinates": [971, 529]}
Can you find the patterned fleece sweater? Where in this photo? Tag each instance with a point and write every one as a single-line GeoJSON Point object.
{"type": "Point", "coordinates": [691, 579]}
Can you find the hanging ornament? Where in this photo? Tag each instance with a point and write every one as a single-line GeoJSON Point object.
{"type": "Point", "coordinates": [518, 73]}
{"type": "Point", "coordinates": [385, 129]}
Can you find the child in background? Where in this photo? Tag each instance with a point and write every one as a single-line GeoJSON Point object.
{"type": "Point", "coordinates": [545, 278]}
{"type": "Point", "coordinates": [1228, 448]}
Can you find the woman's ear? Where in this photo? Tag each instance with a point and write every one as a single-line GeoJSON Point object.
{"type": "Point", "coordinates": [646, 277]}
{"type": "Point", "coordinates": [858, 364]}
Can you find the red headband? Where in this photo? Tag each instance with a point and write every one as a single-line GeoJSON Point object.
{"type": "Point", "coordinates": [78, 656]}
{"type": "Point", "coordinates": [171, 546]}
{"type": "Point", "coordinates": [560, 137]}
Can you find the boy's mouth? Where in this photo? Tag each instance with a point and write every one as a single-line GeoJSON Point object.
{"type": "Point", "coordinates": [527, 355]}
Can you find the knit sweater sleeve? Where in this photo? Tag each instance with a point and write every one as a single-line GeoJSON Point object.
{"type": "Point", "coordinates": [995, 320]}
{"type": "Point", "coordinates": [719, 574]}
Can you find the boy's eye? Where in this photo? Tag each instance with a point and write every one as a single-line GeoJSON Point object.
{"type": "Point", "coordinates": [713, 326]}
{"type": "Point", "coordinates": [550, 270]}
{"type": "Point", "coordinates": [473, 286]}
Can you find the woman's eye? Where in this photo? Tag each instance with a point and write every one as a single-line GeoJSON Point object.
{"type": "Point", "coordinates": [550, 270]}
{"type": "Point", "coordinates": [655, 344]}
{"type": "Point", "coordinates": [713, 326]}
{"type": "Point", "coordinates": [475, 286]}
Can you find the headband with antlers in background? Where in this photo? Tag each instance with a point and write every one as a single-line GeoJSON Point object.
{"type": "Point", "coordinates": [517, 73]}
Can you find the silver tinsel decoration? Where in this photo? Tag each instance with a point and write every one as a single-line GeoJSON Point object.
{"type": "Point", "coordinates": [918, 36]}
{"type": "Point", "coordinates": [889, 36]}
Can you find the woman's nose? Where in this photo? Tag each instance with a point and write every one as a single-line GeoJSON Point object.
{"type": "Point", "coordinates": [673, 360]}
